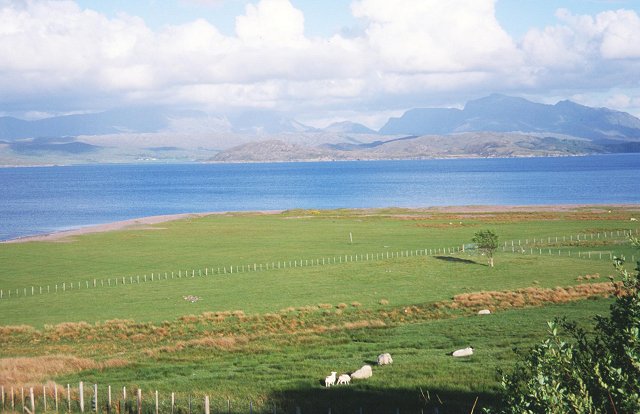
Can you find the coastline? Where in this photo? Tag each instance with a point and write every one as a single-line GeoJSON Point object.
{"type": "Point", "coordinates": [135, 223]}
{"type": "Point", "coordinates": [144, 222]}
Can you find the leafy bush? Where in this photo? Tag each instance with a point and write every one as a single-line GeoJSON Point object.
{"type": "Point", "coordinates": [591, 372]}
{"type": "Point", "coordinates": [487, 243]}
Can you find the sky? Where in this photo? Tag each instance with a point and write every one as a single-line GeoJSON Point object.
{"type": "Point", "coordinates": [316, 61]}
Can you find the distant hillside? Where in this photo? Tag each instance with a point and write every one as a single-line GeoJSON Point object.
{"type": "Point", "coordinates": [500, 113]}
{"type": "Point", "coordinates": [467, 145]}
{"type": "Point", "coordinates": [494, 126]}
{"type": "Point", "coordinates": [110, 122]}
{"type": "Point", "coordinates": [272, 151]}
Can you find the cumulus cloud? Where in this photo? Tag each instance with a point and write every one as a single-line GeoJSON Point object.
{"type": "Point", "coordinates": [271, 23]}
{"type": "Point", "coordinates": [609, 35]}
{"type": "Point", "coordinates": [436, 36]}
{"type": "Point", "coordinates": [53, 51]}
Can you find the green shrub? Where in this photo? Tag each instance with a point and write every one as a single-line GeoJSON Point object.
{"type": "Point", "coordinates": [591, 372]}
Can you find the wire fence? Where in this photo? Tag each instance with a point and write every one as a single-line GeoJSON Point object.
{"type": "Point", "coordinates": [92, 399]}
{"type": "Point", "coordinates": [538, 246]}
{"type": "Point", "coordinates": [64, 287]}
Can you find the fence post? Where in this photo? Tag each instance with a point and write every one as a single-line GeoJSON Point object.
{"type": "Point", "coordinates": [173, 401]}
{"type": "Point", "coordinates": [13, 405]}
{"type": "Point", "coordinates": [156, 401]}
{"type": "Point", "coordinates": [206, 405]}
{"type": "Point", "coordinates": [81, 391]}
{"type": "Point", "coordinates": [109, 399]}
{"type": "Point", "coordinates": [139, 401]}
{"type": "Point", "coordinates": [32, 401]}
{"type": "Point", "coordinates": [69, 396]}
{"type": "Point", "coordinates": [44, 397]}
{"type": "Point", "coordinates": [95, 397]}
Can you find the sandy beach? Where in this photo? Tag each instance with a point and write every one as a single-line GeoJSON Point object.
{"type": "Point", "coordinates": [147, 222]}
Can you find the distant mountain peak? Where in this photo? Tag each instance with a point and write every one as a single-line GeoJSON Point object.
{"type": "Point", "coordinates": [264, 122]}
{"type": "Point", "coordinates": [348, 127]}
{"type": "Point", "coordinates": [503, 113]}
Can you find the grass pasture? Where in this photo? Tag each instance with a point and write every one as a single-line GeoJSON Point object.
{"type": "Point", "coordinates": [271, 336]}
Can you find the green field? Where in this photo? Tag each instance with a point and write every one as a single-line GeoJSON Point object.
{"type": "Point", "coordinates": [311, 292]}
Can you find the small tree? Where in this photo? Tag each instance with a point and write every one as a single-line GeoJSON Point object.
{"type": "Point", "coordinates": [595, 372]}
{"type": "Point", "coordinates": [487, 243]}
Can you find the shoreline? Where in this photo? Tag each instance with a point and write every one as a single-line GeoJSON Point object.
{"type": "Point", "coordinates": [143, 222]}
{"type": "Point", "coordinates": [135, 223]}
{"type": "Point", "coordinates": [311, 160]}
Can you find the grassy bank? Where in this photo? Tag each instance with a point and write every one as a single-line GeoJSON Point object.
{"type": "Point", "coordinates": [271, 335]}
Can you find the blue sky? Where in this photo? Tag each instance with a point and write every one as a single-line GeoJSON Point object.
{"type": "Point", "coordinates": [317, 61]}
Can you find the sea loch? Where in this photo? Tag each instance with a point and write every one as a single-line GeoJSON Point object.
{"type": "Point", "coordinates": [47, 199]}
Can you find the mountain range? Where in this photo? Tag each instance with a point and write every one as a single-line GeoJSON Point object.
{"type": "Point", "coordinates": [496, 125]}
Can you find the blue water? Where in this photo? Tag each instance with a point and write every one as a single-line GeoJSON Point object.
{"type": "Point", "coordinates": [45, 199]}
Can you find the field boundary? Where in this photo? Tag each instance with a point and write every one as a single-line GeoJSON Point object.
{"type": "Point", "coordinates": [55, 398]}
{"type": "Point", "coordinates": [522, 246]}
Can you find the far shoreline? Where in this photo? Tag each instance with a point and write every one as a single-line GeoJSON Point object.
{"type": "Point", "coordinates": [309, 160]}
{"type": "Point", "coordinates": [148, 221]}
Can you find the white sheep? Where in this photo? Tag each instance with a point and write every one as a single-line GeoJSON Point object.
{"type": "Point", "coordinates": [344, 379]}
{"type": "Point", "coordinates": [330, 380]}
{"type": "Point", "coordinates": [468, 351]}
{"type": "Point", "coordinates": [484, 312]}
{"type": "Point", "coordinates": [385, 359]}
{"type": "Point", "coordinates": [362, 373]}
{"type": "Point", "coordinates": [633, 219]}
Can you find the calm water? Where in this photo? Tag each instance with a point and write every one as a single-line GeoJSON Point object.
{"type": "Point", "coordinates": [42, 200]}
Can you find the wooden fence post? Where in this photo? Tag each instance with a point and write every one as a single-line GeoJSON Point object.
{"type": "Point", "coordinates": [173, 401]}
{"type": "Point", "coordinates": [44, 397]}
{"type": "Point", "coordinates": [95, 397]}
{"type": "Point", "coordinates": [32, 400]}
{"type": "Point", "coordinates": [139, 401]}
{"type": "Point", "coordinates": [13, 405]}
{"type": "Point", "coordinates": [206, 405]}
{"type": "Point", "coordinates": [156, 401]}
{"type": "Point", "coordinates": [69, 396]}
{"type": "Point", "coordinates": [109, 399]}
{"type": "Point", "coordinates": [81, 392]}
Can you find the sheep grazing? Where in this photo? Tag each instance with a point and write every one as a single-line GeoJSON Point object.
{"type": "Point", "coordinates": [468, 351]}
{"type": "Point", "coordinates": [484, 312]}
{"type": "Point", "coordinates": [344, 379]}
{"type": "Point", "coordinates": [362, 373]}
{"type": "Point", "coordinates": [633, 219]}
{"type": "Point", "coordinates": [330, 380]}
{"type": "Point", "coordinates": [385, 359]}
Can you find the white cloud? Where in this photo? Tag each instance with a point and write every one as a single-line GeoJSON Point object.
{"type": "Point", "coordinates": [581, 39]}
{"type": "Point", "coordinates": [271, 23]}
{"type": "Point", "coordinates": [620, 34]}
{"type": "Point", "coordinates": [52, 51]}
{"type": "Point", "coordinates": [436, 36]}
